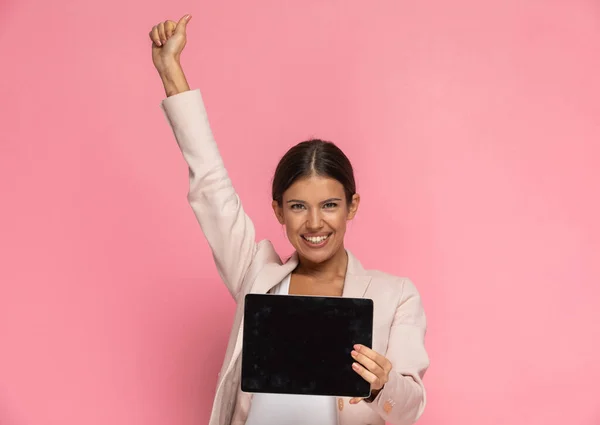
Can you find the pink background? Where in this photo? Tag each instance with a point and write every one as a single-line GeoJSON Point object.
{"type": "Point", "coordinates": [474, 128]}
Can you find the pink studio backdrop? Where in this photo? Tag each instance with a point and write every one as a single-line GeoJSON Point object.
{"type": "Point", "coordinates": [474, 128]}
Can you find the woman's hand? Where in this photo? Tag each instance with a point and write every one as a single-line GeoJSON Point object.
{"type": "Point", "coordinates": [372, 366]}
{"type": "Point", "coordinates": [168, 40]}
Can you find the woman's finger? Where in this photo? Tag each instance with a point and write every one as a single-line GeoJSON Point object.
{"type": "Point", "coordinates": [368, 376]}
{"type": "Point", "coordinates": [182, 24]}
{"type": "Point", "coordinates": [154, 36]}
{"type": "Point", "coordinates": [368, 363]}
{"type": "Point", "coordinates": [375, 356]}
{"type": "Point", "coordinates": [170, 28]}
{"type": "Point", "coordinates": [161, 33]}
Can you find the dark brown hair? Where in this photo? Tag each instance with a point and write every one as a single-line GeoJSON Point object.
{"type": "Point", "coordinates": [313, 157]}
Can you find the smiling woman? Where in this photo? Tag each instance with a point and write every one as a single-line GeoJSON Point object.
{"type": "Point", "coordinates": [314, 196]}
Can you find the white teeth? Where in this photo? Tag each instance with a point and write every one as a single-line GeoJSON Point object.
{"type": "Point", "coordinates": [316, 239]}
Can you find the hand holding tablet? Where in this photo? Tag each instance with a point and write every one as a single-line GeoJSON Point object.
{"type": "Point", "coordinates": [372, 366]}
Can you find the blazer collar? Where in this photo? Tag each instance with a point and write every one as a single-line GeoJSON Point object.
{"type": "Point", "coordinates": [355, 284]}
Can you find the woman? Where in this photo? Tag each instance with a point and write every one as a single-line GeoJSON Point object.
{"type": "Point", "coordinates": [313, 197]}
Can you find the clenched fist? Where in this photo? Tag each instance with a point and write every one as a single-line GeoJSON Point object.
{"type": "Point", "coordinates": [168, 40]}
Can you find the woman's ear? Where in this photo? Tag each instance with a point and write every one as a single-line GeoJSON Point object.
{"type": "Point", "coordinates": [278, 212]}
{"type": "Point", "coordinates": [353, 206]}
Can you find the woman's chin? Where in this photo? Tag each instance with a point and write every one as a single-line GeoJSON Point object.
{"type": "Point", "coordinates": [316, 259]}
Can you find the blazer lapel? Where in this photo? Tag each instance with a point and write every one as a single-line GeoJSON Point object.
{"type": "Point", "coordinates": [272, 274]}
{"type": "Point", "coordinates": [356, 281]}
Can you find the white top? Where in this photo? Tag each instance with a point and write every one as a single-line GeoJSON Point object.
{"type": "Point", "coordinates": [291, 409]}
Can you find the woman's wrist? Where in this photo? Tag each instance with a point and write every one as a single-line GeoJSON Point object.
{"type": "Point", "coordinates": [373, 396]}
{"type": "Point", "coordinates": [173, 78]}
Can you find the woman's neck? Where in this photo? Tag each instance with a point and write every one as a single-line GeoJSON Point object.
{"type": "Point", "coordinates": [334, 267]}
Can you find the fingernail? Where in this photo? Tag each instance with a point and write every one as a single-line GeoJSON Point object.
{"type": "Point", "coordinates": [357, 347]}
{"type": "Point", "coordinates": [354, 353]}
{"type": "Point", "coordinates": [354, 365]}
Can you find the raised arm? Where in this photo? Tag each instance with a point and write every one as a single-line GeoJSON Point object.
{"type": "Point", "coordinates": [228, 230]}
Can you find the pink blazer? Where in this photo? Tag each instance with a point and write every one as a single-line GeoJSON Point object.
{"type": "Point", "coordinates": [248, 266]}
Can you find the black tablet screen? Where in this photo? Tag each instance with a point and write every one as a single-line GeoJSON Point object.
{"type": "Point", "coordinates": [302, 344]}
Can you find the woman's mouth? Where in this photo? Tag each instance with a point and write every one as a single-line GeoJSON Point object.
{"type": "Point", "coordinates": [316, 241]}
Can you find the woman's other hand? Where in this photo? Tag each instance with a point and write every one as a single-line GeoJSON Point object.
{"type": "Point", "coordinates": [168, 41]}
{"type": "Point", "coordinates": [372, 366]}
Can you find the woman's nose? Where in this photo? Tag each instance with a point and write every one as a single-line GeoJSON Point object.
{"type": "Point", "coordinates": [315, 220]}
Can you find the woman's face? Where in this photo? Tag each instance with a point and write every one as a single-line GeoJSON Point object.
{"type": "Point", "coordinates": [314, 212]}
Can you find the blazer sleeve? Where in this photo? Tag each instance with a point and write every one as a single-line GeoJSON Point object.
{"type": "Point", "coordinates": [229, 231]}
{"type": "Point", "coordinates": [402, 399]}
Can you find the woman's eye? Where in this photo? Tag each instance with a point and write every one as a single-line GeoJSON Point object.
{"type": "Point", "coordinates": [330, 205]}
{"type": "Point", "coordinates": [297, 206]}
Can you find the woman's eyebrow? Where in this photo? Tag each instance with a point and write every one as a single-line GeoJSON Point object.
{"type": "Point", "coordinates": [322, 202]}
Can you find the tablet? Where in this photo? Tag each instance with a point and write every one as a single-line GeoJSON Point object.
{"type": "Point", "coordinates": [301, 344]}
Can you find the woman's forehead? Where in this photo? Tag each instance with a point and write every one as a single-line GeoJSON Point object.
{"type": "Point", "coordinates": [315, 188]}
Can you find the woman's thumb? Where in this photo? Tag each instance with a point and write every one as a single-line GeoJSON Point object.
{"type": "Point", "coordinates": [181, 25]}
